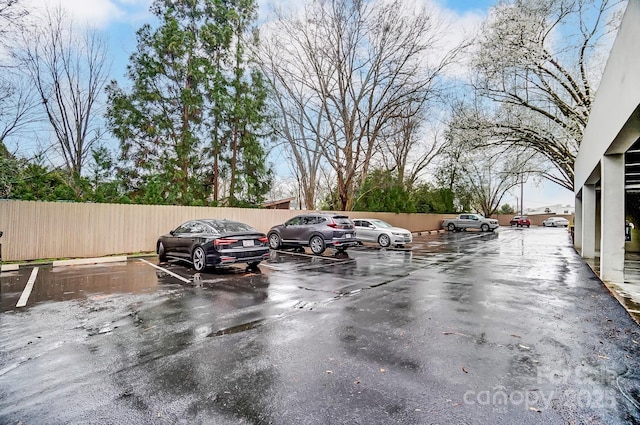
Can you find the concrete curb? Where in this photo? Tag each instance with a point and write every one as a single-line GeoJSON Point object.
{"type": "Point", "coordinates": [74, 262]}
{"type": "Point", "coordinates": [9, 267]}
{"type": "Point", "coordinates": [81, 261]}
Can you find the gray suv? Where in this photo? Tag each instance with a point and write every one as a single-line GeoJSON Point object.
{"type": "Point", "coordinates": [318, 231]}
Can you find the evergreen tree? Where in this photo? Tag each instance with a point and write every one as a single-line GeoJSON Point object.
{"type": "Point", "coordinates": [190, 110]}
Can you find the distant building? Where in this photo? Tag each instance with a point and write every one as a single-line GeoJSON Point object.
{"type": "Point", "coordinates": [280, 204]}
{"type": "Point", "coordinates": [552, 209]}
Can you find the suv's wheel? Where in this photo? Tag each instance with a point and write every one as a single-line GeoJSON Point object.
{"type": "Point", "coordinates": [384, 240]}
{"type": "Point", "coordinates": [274, 241]}
{"type": "Point", "coordinates": [316, 243]}
{"type": "Point", "coordinates": [199, 259]}
{"type": "Point", "coordinates": [162, 255]}
{"type": "Point", "coordinates": [484, 227]}
{"type": "Point", "coordinates": [451, 227]}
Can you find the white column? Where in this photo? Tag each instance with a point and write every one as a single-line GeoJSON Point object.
{"type": "Point", "coordinates": [612, 220]}
{"type": "Point", "coordinates": [588, 224]}
{"type": "Point", "coordinates": [577, 226]}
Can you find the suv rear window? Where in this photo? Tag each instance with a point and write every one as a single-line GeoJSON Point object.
{"type": "Point", "coordinates": [342, 220]}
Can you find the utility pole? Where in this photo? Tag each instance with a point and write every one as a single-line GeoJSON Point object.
{"type": "Point", "coordinates": [521, 194]}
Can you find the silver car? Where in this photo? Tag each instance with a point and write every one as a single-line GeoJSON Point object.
{"type": "Point", "coordinates": [381, 232]}
{"type": "Point", "coordinates": [556, 222]}
{"type": "Point", "coordinates": [318, 231]}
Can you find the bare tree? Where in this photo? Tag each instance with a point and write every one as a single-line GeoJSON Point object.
{"type": "Point", "coordinates": [406, 150]}
{"type": "Point", "coordinates": [541, 61]}
{"type": "Point", "coordinates": [297, 126]}
{"type": "Point", "coordinates": [16, 102]}
{"type": "Point", "coordinates": [17, 107]}
{"type": "Point", "coordinates": [477, 167]}
{"type": "Point", "coordinates": [69, 70]}
{"type": "Point", "coordinates": [352, 68]}
{"type": "Point", "coordinates": [11, 17]}
{"type": "Point", "coordinates": [489, 176]}
{"type": "Point", "coordinates": [484, 175]}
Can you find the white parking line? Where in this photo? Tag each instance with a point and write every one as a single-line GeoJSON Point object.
{"type": "Point", "coordinates": [177, 276]}
{"type": "Point", "coordinates": [27, 289]}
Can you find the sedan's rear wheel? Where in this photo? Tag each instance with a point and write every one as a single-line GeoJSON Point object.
{"type": "Point", "coordinates": [162, 254]}
{"type": "Point", "coordinates": [199, 259]}
{"type": "Point", "coordinates": [484, 227]}
{"type": "Point", "coordinates": [316, 243]}
{"type": "Point", "coordinates": [451, 227]}
{"type": "Point", "coordinates": [274, 241]}
{"type": "Point", "coordinates": [384, 240]}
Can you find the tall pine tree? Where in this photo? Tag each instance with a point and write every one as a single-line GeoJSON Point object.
{"type": "Point", "coordinates": [175, 124]}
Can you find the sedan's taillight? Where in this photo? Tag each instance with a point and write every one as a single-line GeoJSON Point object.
{"type": "Point", "coordinates": [263, 240]}
{"type": "Point", "coordinates": [224, 242]}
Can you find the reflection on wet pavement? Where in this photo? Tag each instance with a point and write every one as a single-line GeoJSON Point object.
{"type": "Point", "coordinates": [417, 335]}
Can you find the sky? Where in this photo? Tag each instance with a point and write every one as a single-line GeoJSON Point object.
{"type": "Point", "coordinates": [120, 19]}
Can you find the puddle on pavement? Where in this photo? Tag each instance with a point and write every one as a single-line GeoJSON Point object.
{"type": "Point", "coordinates": [238, 328]}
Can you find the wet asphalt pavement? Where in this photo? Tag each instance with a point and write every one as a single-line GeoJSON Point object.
{"type": "Point", "coordinates": [459, 328]}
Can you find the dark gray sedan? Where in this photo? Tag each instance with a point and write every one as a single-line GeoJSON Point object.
{"type": "Point", "coordinates": [210, 243]}
{"type": "Point", "coordinates": [318, 231]}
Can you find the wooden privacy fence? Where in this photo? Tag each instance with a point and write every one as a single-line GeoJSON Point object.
{"type": "Point", "coordinates": [39, 230]}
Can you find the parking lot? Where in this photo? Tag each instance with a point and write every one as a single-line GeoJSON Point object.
{"type": "Point", "coordinates": [470, 327]}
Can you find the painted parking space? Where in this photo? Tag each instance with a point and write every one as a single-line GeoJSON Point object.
{"type": "Point", "coordinates": [78, 282]}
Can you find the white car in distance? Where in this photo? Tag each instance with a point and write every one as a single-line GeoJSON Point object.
{"type": "Point", "coordinates": [556, 222]}
{"type": "Point", "coordinates": [381, 232]}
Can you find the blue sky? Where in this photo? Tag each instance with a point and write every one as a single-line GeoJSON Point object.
{"type": "Point", "coordinates": [465, 6]}
{"type": "Point", "coordinates": [120, 19]}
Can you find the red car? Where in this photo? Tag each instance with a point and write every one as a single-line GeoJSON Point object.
{"type": "Point", "coordinates": [520, 221]}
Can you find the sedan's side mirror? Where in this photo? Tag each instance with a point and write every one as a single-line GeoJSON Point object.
{"type": "Point", "coordinates": [172, 232]}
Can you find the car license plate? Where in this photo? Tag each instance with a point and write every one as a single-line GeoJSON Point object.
{"type": "Point", "coordinates": [348, 235]}
{"type": "Point", "coordinates": [248, 242]}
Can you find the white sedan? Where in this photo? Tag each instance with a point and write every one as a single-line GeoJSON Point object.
{"type": "Point", "coordinates": [555, 222]}
{"type": "Point", "coordinates": [381, 232]}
